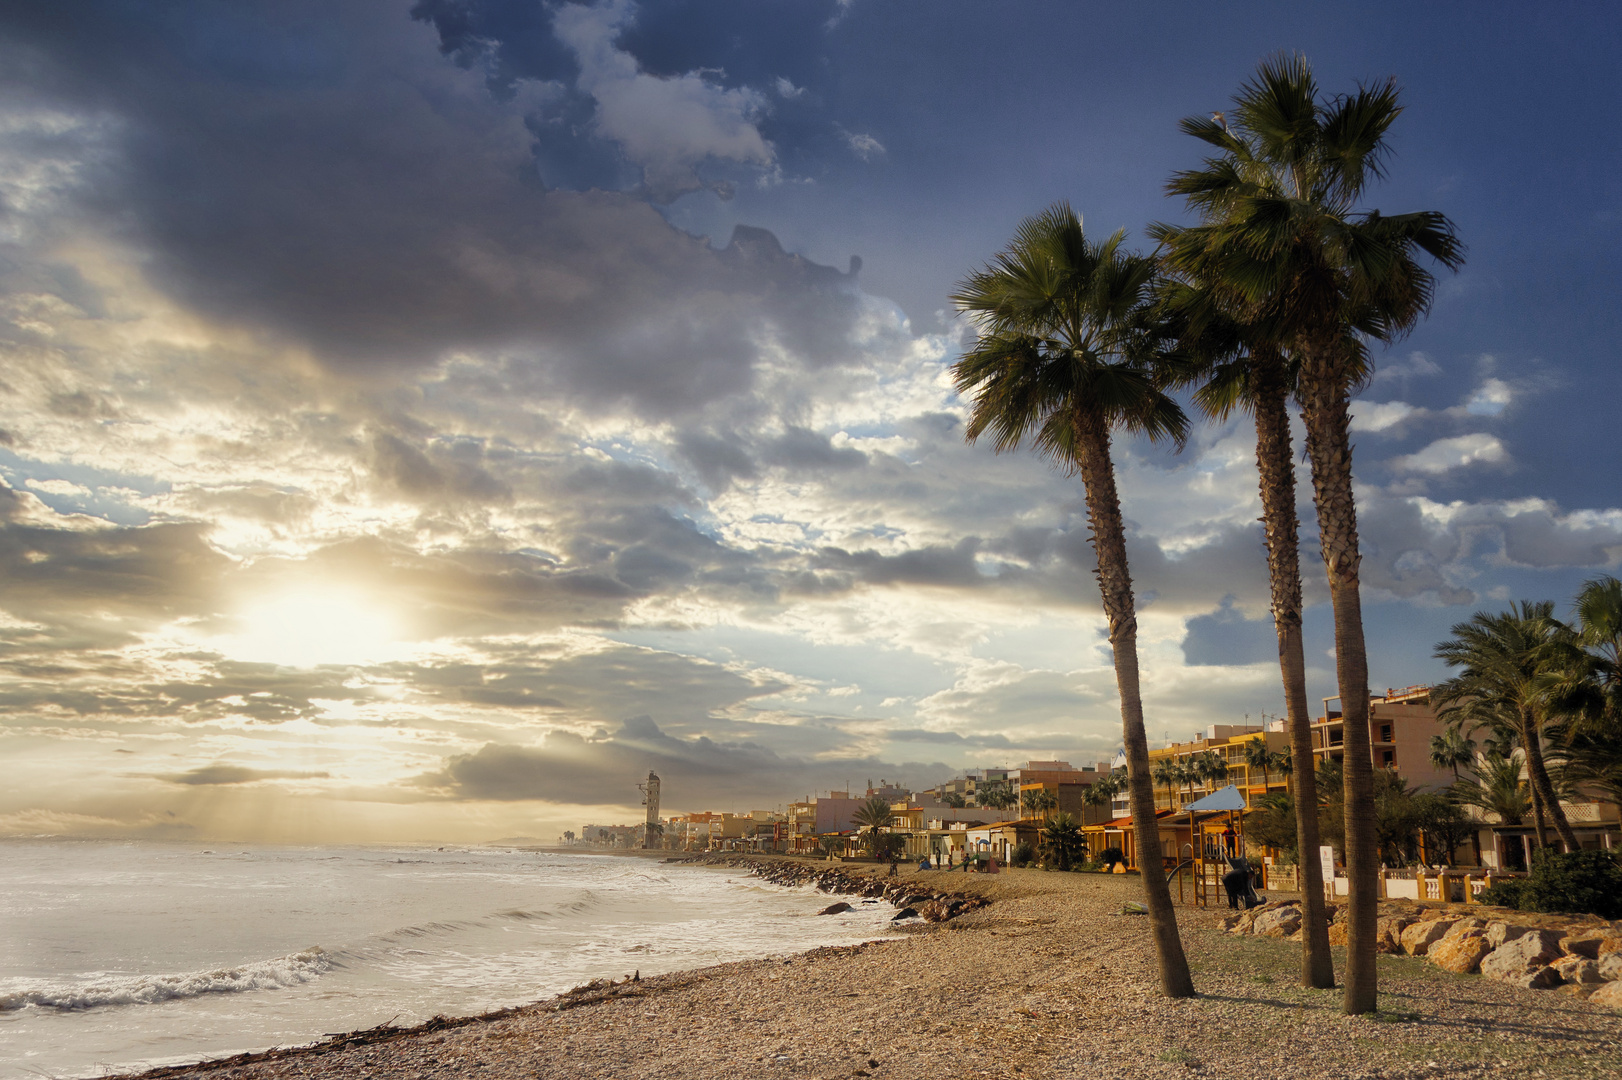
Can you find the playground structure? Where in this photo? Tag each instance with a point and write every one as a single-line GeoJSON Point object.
{"type": "Point", "coordinates": [1201, 865]}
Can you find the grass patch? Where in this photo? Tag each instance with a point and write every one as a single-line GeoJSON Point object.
{"type": "Point", "coordinates": [1176, 1055]}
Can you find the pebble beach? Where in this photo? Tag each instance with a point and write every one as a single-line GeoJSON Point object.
{"type": "Point", "coordinates": [1047, 979]}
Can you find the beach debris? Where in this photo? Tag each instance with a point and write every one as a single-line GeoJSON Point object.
{"type": "Point", "coordinates": [1133, 907]}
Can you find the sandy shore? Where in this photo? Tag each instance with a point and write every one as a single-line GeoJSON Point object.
{"type": "Point", "coordinates": [1047, 981]}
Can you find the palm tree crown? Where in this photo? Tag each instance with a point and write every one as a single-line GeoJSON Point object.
{"type": "Point", "coordinates": [1066, 330]}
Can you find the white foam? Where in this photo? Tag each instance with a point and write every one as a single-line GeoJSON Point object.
{"type": "Point", "coordinates": [283, 971]}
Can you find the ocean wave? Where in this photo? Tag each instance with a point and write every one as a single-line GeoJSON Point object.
{"type": "Point", "coordinates": [277, 974]}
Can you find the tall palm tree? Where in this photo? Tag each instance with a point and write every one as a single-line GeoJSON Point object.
{"type": "Point", "coordinates": [1451, 750]}
{"type": "Point", "coordinates": [1504, 661]}
{"type": "Point", "coordinates": [1281, 230]}
{"type": "Point", "coordinates": [1241, 364]}
{"type": "Point", "coordinates": [1067, 354]}
{"type": "Point", "coordinates": [1585, 690]}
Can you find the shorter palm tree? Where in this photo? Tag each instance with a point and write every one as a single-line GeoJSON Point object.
{"type": "Point", "coordinates": [1039, 801]}
{"type": "Point", "coordinates": [1062, 840]}
{"type": "Point", "coordinates": [1168, 772]}
{"type": "Point", "coordinates": [831, 844]}
{"type": "Point", "coordinates": [1497, 788]}
{"type": "Point", "coordinates": [1451, 750]}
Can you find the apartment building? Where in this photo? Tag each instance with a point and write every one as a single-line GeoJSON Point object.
{"type": "Point", "coordinates": [1401, 725]}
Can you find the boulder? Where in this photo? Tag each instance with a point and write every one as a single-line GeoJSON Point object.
{"type": "Point", "coordinates": [1462, 954]}
{"type": "Point", "coordinates": [1500, 932]}
{"type": "Point", "coordinates": [1231, 921]}
{"type": "Point", "coordinates": [1280, 922]}
{"type": "Point", "coordinates": [1607, 946]}
{"type": "Point", "coordinates": [1609, 994]}
{"type": "Point", "coordinates": [1337, 935]}
{"type": "Point", "coordinates": [1577, 969]}
{"type": "Point", "coordinates": [905, 913]}
{"type": "Point", "coordinates": [1418, 938]}
{"type": "Point", "coordinates": [1465, 926]}
{"type": "Point", "coordinates": [1610, 966]}
{"type": "Point", "coordinates": [834, 909]}
{"type": "Point", "coordinates": [1581, 945]}
{"type": "Point", "coordinates": [1544, 978]}
{"type": "Point", "coordinates": [1388, 932]}
{"type": "Point", "coordinates": [1522, 956]}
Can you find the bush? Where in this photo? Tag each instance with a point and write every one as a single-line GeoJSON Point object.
{"type": "Point", "coordinates": [1022, 855]}
{"type": "Point", "coordinates": [1110, 856]}
{"type": "Point", "coordinates": [1576, 882]}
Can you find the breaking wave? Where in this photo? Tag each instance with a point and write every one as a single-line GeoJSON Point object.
{"type": "Point", "coordinates": [282, 972]}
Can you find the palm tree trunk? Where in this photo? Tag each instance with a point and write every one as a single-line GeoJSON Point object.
{"type": "Point", "coordinates": [1328, 419]}
{"type": "Point", "coordinates": [1275, 460]}
{"type": "Point", "coordinates": [1539, 775]}
{"type": "Point", "coordinates": [1115, 583]}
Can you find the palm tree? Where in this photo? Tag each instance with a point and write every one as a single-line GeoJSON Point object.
{"type": "Point", "coordinates": [1242, 365]}
{"type": "Point", "coordinates": [1451, 749]}
{"type": "Point", "coordinates": [1505, 663]}
{"type": "Point", "coordinates": [1585, 690]}
{"type": "Point", "coordinates": [1167, 771]}
{"type": "Point", "coordinates": [830, 843]}
{"type": "Point", "coordinates": [1068, 353]}
{"type": "Point", "coordinates": [1039, 801]}
{"type": "Point", "coordinates": [997, 795]}
{"type": "Point", "coordinates": [1213, 769]}
{"type": "Point", "coordinates": [1062, 838]}
{"type": "Point", "coordinates": [955, 800]}
{"type": "Point", "coordinates": [875, 813]}
{"type": "Point", "coordinates": [1281, 232]}
{"type": "Point", "coordinates": [1100, 792]}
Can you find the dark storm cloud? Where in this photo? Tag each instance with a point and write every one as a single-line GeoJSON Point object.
{"type": "Point", "coordinates": [322, 174]}
{"type": "Point", "coordinates": [934, 565]}
{"type": "Point", "coordinates": [696, 773]}
{"type": "Point", "coordinates": [236, 774]}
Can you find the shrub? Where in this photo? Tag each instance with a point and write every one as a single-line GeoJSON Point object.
{"type": "Point", "coordinates": [1022, 855]}
{"type": "Point", "coordinates": [1110, 856]}
{"type": "Point", "coordinates": [1576, 882]}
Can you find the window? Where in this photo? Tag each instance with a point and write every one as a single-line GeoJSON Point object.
{"type": "Point", "coordinates": [1385, 732]}
{"type": "Point", "coordinates": [1388, 757]}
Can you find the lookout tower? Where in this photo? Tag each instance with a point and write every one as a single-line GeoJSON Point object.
{"type": "Point", "coordinates": [650, 799]}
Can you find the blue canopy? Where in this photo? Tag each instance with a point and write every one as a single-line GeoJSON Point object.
{"type": "Point", "coordinates": [1228, 798]}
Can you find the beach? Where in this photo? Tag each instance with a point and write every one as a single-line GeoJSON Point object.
{"type": "Point", "coordinates": [1047, 979]}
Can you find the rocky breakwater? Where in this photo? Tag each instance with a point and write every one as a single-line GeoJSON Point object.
{"type": "Point", "coordinates": [910, 897]}
{"type": "Point", "coordinates": [1579, 954]}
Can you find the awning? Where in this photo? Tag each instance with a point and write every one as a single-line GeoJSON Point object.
{"type": "Point", "coordinates": [1228, 798]}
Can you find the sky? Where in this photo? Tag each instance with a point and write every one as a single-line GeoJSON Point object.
{"type": "Point", "coordinates": [420, 420]}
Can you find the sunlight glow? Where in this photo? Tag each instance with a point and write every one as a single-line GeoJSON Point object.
{"type": "Point", "coordinates": [312, 628]}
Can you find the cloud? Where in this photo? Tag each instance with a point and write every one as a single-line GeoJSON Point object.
{"type": "Point", "coordinates": [696, 773]}
{"type": "Point", "coordinates": [1460, 451]}
{"type": "Point", "coordinates": [430, 237]}
{"type": "Point", "coordinates": [666, 126]}
{"type": "Point", "coordinates": [1372, 417]}
{"type": "Point", "coordinates": [864, 146]}
{"type": "Point", "coordinates": [1226, 638]}
{"type": "Point", "coordinates": [208, 775]}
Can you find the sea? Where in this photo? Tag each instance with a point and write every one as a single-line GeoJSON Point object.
{"type": "Point", "coordinates": [116, 956]}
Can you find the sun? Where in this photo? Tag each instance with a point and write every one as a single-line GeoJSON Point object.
{"type": "Point", "coordinates": [312, 627]}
